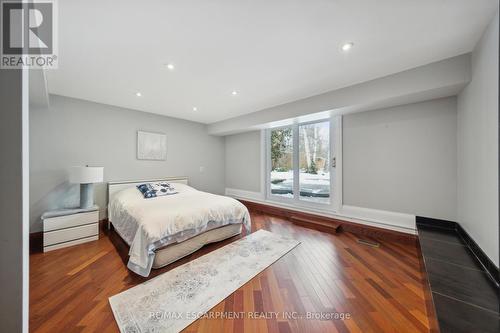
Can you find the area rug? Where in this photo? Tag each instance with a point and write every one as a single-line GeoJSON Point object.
{"type": "Point", "coordinates": [175, 299]}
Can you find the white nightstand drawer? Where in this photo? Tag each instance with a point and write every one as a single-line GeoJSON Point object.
{"type": "Point", "coordinates": [70, 243]}
{"type": "Point", "coordinates": [70, 234]}
{"type": "Point", "coordinates": [67, 221]}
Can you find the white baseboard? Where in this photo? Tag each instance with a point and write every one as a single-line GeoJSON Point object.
{"type": "Point", "coordinates": [245, 195]}
{"type": "Point", "coordinates": [373, 217]}
{"type": "Point", "coordinates": [382, 218]}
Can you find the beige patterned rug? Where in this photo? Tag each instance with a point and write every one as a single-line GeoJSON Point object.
{"type": "Point", "coordinates": [175, 299]}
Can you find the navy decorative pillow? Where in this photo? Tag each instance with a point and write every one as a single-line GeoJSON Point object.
{"type": "Point", "coordinates": [153, 190]}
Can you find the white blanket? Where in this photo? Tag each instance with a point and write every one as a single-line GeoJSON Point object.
{"type": "Point", "coordinates": [149, 224]}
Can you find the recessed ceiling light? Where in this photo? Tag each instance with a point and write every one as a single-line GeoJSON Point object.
{"type": "Point", "coordinates": [195, 108]}
{"type": "Point", "coordinates": [347, 46]}
{"type": "Point", "coordinates": [170, 66]}
{"type": "Point", "coordinates": [234, 93]}
{"type": "Point", "coordinates": [138, 94]}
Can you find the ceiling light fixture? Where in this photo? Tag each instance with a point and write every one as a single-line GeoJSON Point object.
{"type": "Point", "coordinates": [138, 94]}
{"type": "Point", "coordinates": [195, 108]}
{"type": "Point", "coordinates": [234, 93]}
{"type": "Point", "coordinates": [347, 46]}
{"type": "Point", "coordinates": [170, 66]}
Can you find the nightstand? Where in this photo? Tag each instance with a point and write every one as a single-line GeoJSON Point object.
{"type": "Point", "coordinates": [70, 227]}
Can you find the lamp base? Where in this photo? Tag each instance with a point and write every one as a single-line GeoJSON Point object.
{"type": "Point", "coordinates": [86, 196]}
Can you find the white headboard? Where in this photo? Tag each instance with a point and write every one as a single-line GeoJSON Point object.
{"type": "Point", "coordinates": [115, 187]}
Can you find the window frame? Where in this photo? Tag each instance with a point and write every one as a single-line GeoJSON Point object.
{"type": "Point", "coordinates": [335, 137]}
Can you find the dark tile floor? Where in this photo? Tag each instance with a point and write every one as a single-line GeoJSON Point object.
{"type": "Point", "coordinates": [457, 316]}
{"type": "Point", "coordinates": [465, 298]}
{"type": "Point", "coordinates": [439, 234]}
{"type": "Point", "coordinates": [463, 283]}
{"type": "Point", "coordinates": [453, 253]}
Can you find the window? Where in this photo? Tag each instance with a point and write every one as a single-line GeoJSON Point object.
{"type": "Point", "coordinates": [282, 162]}
{"type": "Point", "coordinates": [301, 164]}
{"type": "Point", "coordinates": [314, 162]}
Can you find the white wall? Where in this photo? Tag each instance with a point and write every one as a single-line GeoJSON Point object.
{"type": "Point", "coordinates": [243, 161]}
{"type": "Point", "coordinates": [478, 146]}
{"type": "Point", "coordinates": [13, 241]}
{"type": "Point", "coordinates": [402, 159]}
{"type": "Point", "coordinates": [77, 132]}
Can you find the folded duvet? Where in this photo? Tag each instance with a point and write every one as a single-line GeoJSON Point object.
{"type": "Point", "coordinates": [149, 224]}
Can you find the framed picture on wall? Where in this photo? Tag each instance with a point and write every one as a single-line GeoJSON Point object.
{"type": "Point", "coordinates": [151, 146]}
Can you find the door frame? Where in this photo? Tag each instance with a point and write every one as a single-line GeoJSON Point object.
{"type": "Point", "coordinates": [335, 137]}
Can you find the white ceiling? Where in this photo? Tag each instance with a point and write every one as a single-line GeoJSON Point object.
{"type": "Point", "coordinates": [271, 52]}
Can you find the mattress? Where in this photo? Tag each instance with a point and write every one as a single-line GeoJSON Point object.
{"type": "Point", "coordinates": [174, 252]}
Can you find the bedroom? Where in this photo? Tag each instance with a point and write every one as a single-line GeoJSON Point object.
{"type": "Point", "coordinates": [286, 166]}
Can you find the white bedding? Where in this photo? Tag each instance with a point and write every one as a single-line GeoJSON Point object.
{"type": "Point", "coordinates": [149, 224]}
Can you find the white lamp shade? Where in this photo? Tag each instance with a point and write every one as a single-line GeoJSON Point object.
{"type": "Point", "coordinates": [86, 175]}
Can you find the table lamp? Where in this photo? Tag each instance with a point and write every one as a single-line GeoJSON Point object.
{"type": "Point", "coordinates": [86, 176]}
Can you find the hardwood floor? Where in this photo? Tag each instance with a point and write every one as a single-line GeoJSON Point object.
{"type": "Point", "coordinates": [381, 289]}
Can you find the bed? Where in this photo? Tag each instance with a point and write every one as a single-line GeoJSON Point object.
{"type": "Point", "coordinates": [164, 229]}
